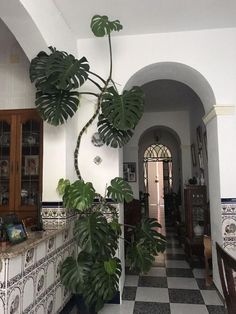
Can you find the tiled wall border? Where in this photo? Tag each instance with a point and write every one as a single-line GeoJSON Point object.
{"type": "Point", "coordinates": [228, 214]}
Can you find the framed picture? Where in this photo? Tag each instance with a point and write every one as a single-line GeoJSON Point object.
{"type": "Point", "coordinates": [16, 233]}
{"type": "Point", "coordinates": [205, 143]}
{"type": "Point", "coordinates": [31, 165]}
{"type": "Point", "coordinates": [193, 154]}
{"type": "Point", "coordinates": [200, 158]}
{"type": "Point", "coordinates": [129, 171]}
{"type": "Point", "coordinates": [199, 137]}
{"type": "Point", "coordinates": [4, 168]}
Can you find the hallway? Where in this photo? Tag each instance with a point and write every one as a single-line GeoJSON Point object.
{"type": "Point", "coordinates": [170, 287]}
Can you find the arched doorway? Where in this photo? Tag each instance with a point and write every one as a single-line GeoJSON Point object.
{"type": "Point", "coordinates": [158, 171]}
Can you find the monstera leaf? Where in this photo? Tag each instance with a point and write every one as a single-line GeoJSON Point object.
{"type": "Point", "coordinates": [123, 111]}
{"type": "Point", "coordinates": [65, 71]}
{"type": "Point", "coordinates": [95, 235]}
{"type": "Point", "coordinates": [139, 257]}
{"type": "Point", "coordinates": [112, 136]}
{"type": "Point", "coordinates": [120, 190]}
{"type": "Point", "coordinates": [59, 70]}
{"type": "Point", "coordinates": [74, 272]}
{"type": "Point", "coordinates": [57, 107]}
{"type": "Point", "coordinates": [79, 195]}
{"type": "Point", "coordinates": [101, 25]}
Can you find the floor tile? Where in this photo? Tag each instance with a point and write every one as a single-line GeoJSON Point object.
{"type": "Point", "coordinates": [175, 250]}
{"type": "Point", "coordinates": [129, 293]}
{"type": "Point", "coordinates": [211, 297]}
{"type": "Point", "coordinates": [202, 284]}
{"type": "Point", "coordinates": [182, 283]}
{"type": "Point", "coordinates": [178, 308]}
{"type": "Point", "coordinates": [131, 280]}
{"type": "Point", "coordinates": [156, 271]}
{"type": "Point", "coordinates": [216, 309]}
{"type": "Point", "coordinates": [177, 264]}
{"type": "Point", "coordinates": [152, 294]}
{"type": "Point", "coordinates": [151, 308]}
{"type": "Point", "coordinates": [185, 296]}
{"type": "Point", "coordinates": [150, 281]}
{"type": "Point", "coordinates": [199, 272]}
{"type": "Point", "coordinates": [127, 307]}
{"type": "Point", "coordinates": [172, 256]}
{"type": "Point", "coordinates": [179, 272]}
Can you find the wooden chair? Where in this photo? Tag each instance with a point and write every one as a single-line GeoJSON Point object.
{"type": "Point", "coordinates": [227, 270]}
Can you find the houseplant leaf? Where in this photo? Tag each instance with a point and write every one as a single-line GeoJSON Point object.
{"type": "Point", "coordinates": [95, 235]}
{"type": "Point", "coordinates": [101, 25]}
{"type": "Point", "coordinates": [57, 107]}
{"type": "Point", "coordinates": [65, 71]}
{"type": "Point", "coordinates": [74, 272]}
{"type": "Point", "coordinates": [112, 136]}
{"type": "Point", "coordinates": [120, 190]}
{"type": "Point", "coordinates": [123, 111]}
{"type": "Point", "coordinates": [139, 257]}
{"type": "Point", "coordinates": [79, 195]}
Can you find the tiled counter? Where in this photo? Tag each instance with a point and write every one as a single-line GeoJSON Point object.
{"type": "Point", "coordinates": [29, 273]}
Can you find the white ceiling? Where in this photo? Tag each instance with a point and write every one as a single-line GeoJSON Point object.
{"type": "Point", "coordinates": [150, 16]}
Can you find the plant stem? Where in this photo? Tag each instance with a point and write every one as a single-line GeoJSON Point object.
{"type": "Point", "coordinates": [99, 103]}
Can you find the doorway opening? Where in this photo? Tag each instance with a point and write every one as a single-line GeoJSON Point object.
{"type": "Point", "coordinates": [158, 178]}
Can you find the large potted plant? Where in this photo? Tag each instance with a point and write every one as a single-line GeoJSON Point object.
{"type": "Point", "coordinates": [94, 273]}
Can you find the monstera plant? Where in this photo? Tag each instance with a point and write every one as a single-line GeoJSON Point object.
{"type": "Point", "coordinates": [58, 76]}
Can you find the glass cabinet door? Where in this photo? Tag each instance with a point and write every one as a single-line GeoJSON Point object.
{"type": "Point", "coordinates": [5, 132]}
{"type": "Point", "coordinates": [30, 162]}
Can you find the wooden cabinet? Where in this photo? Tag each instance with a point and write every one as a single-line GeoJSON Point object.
{"type": "Point", "coordinates": [20, 162]}
{"type": "Point", "coordinates": [196, 218]}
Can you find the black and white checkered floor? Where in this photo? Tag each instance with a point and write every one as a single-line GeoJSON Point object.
{"type": "Point", "coordinates": [171, 287]}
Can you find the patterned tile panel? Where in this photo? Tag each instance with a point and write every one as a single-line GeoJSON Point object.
{"type": "Point", "coordinates": [228, 211]}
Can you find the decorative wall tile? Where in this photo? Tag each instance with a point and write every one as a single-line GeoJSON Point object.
{"type": "Point", "coordinates": [14, 300]}
{"type": "Point", "coordinates": [15, 266]}
{"type": "Point", "coordinates": [40, 251]}
{"type": "Point", "coordinates": [60, 239]}
{"type": "Point", "coordinates": [29, 258]}
{"type": "Point", "coordinates": [28, 294]}
{"type": "Point", "coordinates": [50, 272]}
{"type": "Point", "coordinates": [40, 282]}
{"type": "Point", "coordinates": [228, 210]}
{"type": "Point", "coordinates": [51, 244]}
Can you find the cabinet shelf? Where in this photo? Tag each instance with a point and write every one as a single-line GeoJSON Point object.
{"type": "Point", "coordinates": [21, 146]}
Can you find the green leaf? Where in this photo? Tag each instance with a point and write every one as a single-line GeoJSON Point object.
{"type": "Point", "coordinates": [112, 136]}
{"type": "Point", "coordinates": [101, 25]}
{"type": "Point", "coordinates": [74, 272]}
{"type": "Point", "coordinates": [120, 190]}
{"type": "Point", "coordinates": [61, 186]}
{"type": "Point", "coordinates": [139, 257]}
{"type": "Point", "coordinates": [65, 71]}
{"type": "Point", "coordinates": [79, 195]}
{"type": "Point", "coordinates": [57, 107]}
{"type": "Point", "coordinates": [123, 111]}
{"type": "Point", "coordinates": [95, 235]}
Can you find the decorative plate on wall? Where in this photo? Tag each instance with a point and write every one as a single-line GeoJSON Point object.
{"type": "Point", "coordinates": [96, 140]}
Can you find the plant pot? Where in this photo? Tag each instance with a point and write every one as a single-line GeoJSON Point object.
{"type": "Point", "coordinates": [82, 307]}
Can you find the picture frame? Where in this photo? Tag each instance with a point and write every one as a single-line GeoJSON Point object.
{"type": "Point", "coordinates": [199, 137]}
{"type": "Point", "coordinates": [4, 168]}
{"type": "Point", "coordinates": [31, 165]}
{"type": "Point", "coordinates": [200, 159]}
{"type": "Point", "coordinates": [193, 154]}
{"type": "Point", "coordinates": [129, 171]}
{"type": "Point", "coordinates": [205, 144]}
{"type": "Point", "coordinates": [16, 233]}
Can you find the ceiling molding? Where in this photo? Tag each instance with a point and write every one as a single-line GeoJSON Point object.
{"type": "Point", "coordinates": [218, 111]}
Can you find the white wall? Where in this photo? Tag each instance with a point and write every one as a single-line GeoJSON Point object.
{"type": "Point", "coordinates": [177, 121]}
{"type": "Point", "coordinates": [16, 90]}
